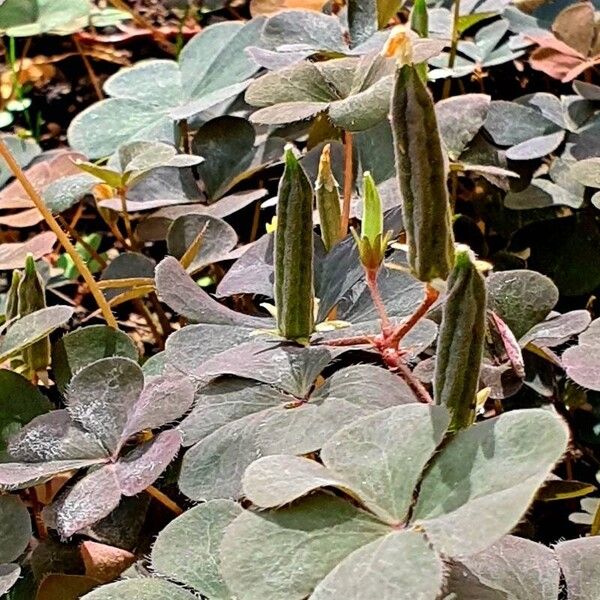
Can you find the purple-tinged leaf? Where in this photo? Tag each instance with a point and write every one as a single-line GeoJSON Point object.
{"type": "Point", "coordinates": [55, 436]}
{"type": "Point", "coordinates": [145, 463]}
{"type": "Point", "coordinates": [582, 362]}
{"type": "Point", "coordinates": [558, 329]}
{"type": "Point", "coordinates": [578, 560]}
{"type": "Point", "coordinates": [88, 501]}
{"type": "Point", "coordinates": [163, 399]}
{"type": "Point", "coordinates": [21, 475]}
{"type": "Point", "coordinates": [180, 292]}
{"type": "Point", "coordinates": [103, 395]}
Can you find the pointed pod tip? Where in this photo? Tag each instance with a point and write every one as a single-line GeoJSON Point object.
{"type": "Point", "coordinates": [29, 264]}
{"type": "Point", "coordinates": [464, 257]}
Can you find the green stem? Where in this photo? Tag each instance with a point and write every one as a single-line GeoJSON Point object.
{"type": "Point", "coordinates": [453, 48]}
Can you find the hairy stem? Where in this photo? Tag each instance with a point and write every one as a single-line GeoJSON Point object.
{"type": "Point", "coordinates": [126, 217]}
{"type": "Point", "coordinates": [63, 238]}
{"type": "Point", "coordinates": [348, 168]}
{"type": "Point", "coordinates": [394, 361]}
{"type": "Point", "coordinates": [431, 295]}
{"type": "Point", "coordinates": [371, 277]}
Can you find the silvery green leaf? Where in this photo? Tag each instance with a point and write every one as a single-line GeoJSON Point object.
{"type": "Point", "coordinates": [31, 328]}
{"type": "Point", "coordinates": [273, 481]}
{"type": "Point", "coordinates": [399, 566]}
{"type": "Point", "coordinates": [65, 192]}
{"type": "Point", "coordinates": [15, 528]}
{"type": "Point", "coordinates": [511, 569]}
{"type": "Point", "coordinates": [24, 151]}
{"type": "Point", "coordinates": [260, 551]}
{"type": "Point", "coordinates": [521, 298]}
{"type": "Point", "coordinates": [536, 147]}
{"type": "Point", "coordinates": [103, 396]}
{"type": "Point", "coordinates": [370, 455]}
{"type": "Point", "coordinates": [139, 589]}
{"type": "Point", "coordinates": [587, 172]}
{"type": "Point", "coordinates": [197, 568]}
{"type": "Point", "coordinates": [460, 119]}
{"type": "Point", "coordinates": [543, 193]}
{"type": "Point", "coordinates": [578, 560]}
{"type": "Point", "coordinates": [497, 464]}
{"type": "Point", "coordinates": [236, 421]}
{"type": "Point", "coordinates": [510, 123]}
{"type": "Point", "coordinates": [83, 346]}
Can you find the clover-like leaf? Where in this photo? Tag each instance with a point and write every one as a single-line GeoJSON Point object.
{"type": "Point", "coordinates": [35, 17]}
{"type": "Point", "coordinates": [197, 568]}
{"type": "Point", "coordinates": [239, 420]}
{"type": "Point", "coordinates": [20, 402]}
{"type": "Point", "coordinates": [31, 328]}
{"type": "Point", "coordinates": [581, 361]}
{"type": "Point", "coordinates": [108, 401]}
{"type": "Point", "coordinates": [558, 329]}
{"type": "Point", "coordinates": [460, 119]}
{"type": "Point", "coordinates": [231, 153]}
{"type": "Point", "coordinates": [513, 567]}
{"type": "Point", "coordinates": [9, 575]}
{"type": "Point", "coordinates": [521, 298]}
{"type": "Point", "coordinates": [486, 50]}
{"type": "Point", "coordinates": [148, 98]}
{"type": "Point", "coordinates": [218, 239]}
{"type": "Point", "coordinates": [13, 254]}
{"type": "Point", "coordinates": [354, 92]}
{"type": "Point", "coordinates": [499, 463]}
{"type": "Point", "coordinates": [578, 561]}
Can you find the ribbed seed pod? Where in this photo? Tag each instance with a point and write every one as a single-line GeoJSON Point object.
{"type": "Point", "coordinates": [328, 202]}
{"type": "Point", "coordinates": [294, 291]}
{"type": "Point", "coordinates": [12, 297]}
{"type": "Point", "coordinates": [32, 297]}
{"type": "Point", "coordinates": [422, 177]}
{"type": "Point", "coordinates": [460, 341]}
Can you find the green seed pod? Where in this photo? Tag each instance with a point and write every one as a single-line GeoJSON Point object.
{"type": "Point", "coordinates": [12, 297]}
{"type": "Point", "coordinates": [372, 242]}
{"type": "Point", "coordinates": [422, 177]}
{"type": "Point", "coordinates": [294, 291]}
{"type": "Point", "coordinates": [328, 202]}
{"type": "Point", "coordinates": [32, 297]}
{"type": "Point", "coordinates": [460, 341]}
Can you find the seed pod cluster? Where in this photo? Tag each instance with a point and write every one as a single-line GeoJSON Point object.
{"type": "Point", "coordinates": [422, 177]}
{"type": "Point", "coordinates": [460, 341]}
{"type": "Point", "coordinates": [294, 288]}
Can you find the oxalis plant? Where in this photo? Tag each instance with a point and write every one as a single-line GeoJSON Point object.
{"type": "Point", "coordinates": [409, 500]}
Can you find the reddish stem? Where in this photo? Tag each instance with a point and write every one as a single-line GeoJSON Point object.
{"type": "Point", "coordinates": [371, 276]}
{"type": "Point", "coordinates": [394, 361]}
{"type": "Point", "coordinates": [431, 295]}
{"type": "Point", "coordinates": [357, 340]}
